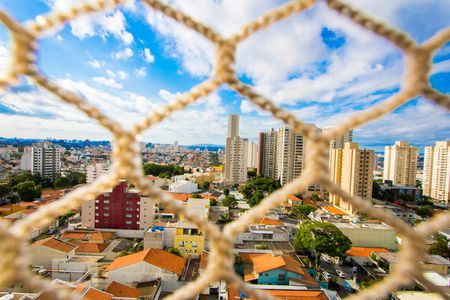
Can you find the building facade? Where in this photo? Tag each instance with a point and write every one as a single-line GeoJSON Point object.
{"type": "Point", "coordinates": [121, 208]}
{"type": "Point", "coordinates": [42, 158]}
{"type": "Point", "coordinates": [95, 170]}
{"type": "Point", "coordinates": [352, 169]}
{"type": "Point", "coordinates": [436, 172]}
{"type": "Point", "coordinates": [267, 148]}
{"type": "Point", "coordinates": [236, 153]}
{"type": "Point", "coordinates": [400, 163]}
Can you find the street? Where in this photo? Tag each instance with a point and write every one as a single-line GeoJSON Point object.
{"type": "Point", "coordinates": [331, 268]}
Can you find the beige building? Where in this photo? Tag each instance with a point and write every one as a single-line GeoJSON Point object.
{"type": "Point", "coordinates": [50, 252]}
{"type": "Point", "coordinates": [352, 169]}
{"type": "Point", "coordinates": [267, 149]}
{"type": "Point", "coordinates": [236, 153]}
{"type": "Point", "coordinates": [400, 163]}
{"type": "Point", "coordinates": [252, 154]}
{"type": "Point", "coordinates": [436, 172]}
{"type": "Point", "coordinates": [95, 170]}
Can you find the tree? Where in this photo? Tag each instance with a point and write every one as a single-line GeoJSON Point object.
{"type": "Point", "coordinates": [315, 197]}
{"type": "Point", "coordinates": [230, 201]}
{"type": "Point", "coordinates": [439, 246]}
{"type": "Point", "coordinates": [205, 185]}
{"type": "Point", "coordinates": [76, 178]}
{"type": "Point", "coordinates": [28, 191]}
{"type": "Point", "coordinates": [226, 192]}
{"type": "Point", "coordinates": [5, 189]}
{"type": "Point", "coordinates": [256, 198]}
{"type": "Point", "coordinates": [197, 196]}
{"type": "Point", "coordinates": [251, 173]}
{"type": "Point", "coordinates": [302, 210]}
{"type": "Point", "coordinates": [22, 177]}
{"type": "Point", "coordinates": [212, 202]}
{"type": "Point", "coordinates": [425, 211]}
{"type": "Point", "coordinates": [61, 183]}
{"type": "Point", "coordinates": [323, 238]}
{"type": "Point", "coordinates": [376, 190]}
{"type": "Point", "coordinates": [174, 251]}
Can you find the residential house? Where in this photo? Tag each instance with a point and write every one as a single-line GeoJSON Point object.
{"type": "Point", "coordinates": [147, 265]}
{"type": "Point", "coordinates": [51, 251]}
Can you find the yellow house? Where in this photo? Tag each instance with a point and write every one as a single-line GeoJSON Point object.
{"type": "Point", "coordinates": [189, 240]}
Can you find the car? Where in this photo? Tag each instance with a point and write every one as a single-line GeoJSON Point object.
{"type": "Point", "coordinates": [326, 275]}
{"type": "Point", "coordinates": [341, 274]}
{"type": "Point", "coordinates": [327, 259]}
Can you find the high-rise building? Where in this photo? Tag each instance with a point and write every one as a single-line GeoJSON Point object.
{"type": "Point", "coordinates": [289, 155]}
{"type": "Point", "coordinates": [95, 170]}
{"type": "Point", "coordinates": [339, 142]}
{"type": "Point", "coordinates": [236, 153]}
{"type": "Point", "coordinates": [252, 154]}
{"type": "Point", "coordinates": [122, 208]}
{"type": "Point", "coordinates": [352, 169]}
{"type": "Point", "coordinates": [400, 163]}
{"type": "Point", "coordinates": [42, 158]}
{"type": "Point", "coordinates": [267, 150]}
{"type": "Point", "coordinates": [436, 172]}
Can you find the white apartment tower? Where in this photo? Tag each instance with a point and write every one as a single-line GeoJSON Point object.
{"type": "Point", "coordinates": [339, 142]}
{"type": "Point", "coordinates": [95, 170]}
{"type": "Point", "coordinates": [436, 172]}
{"type": "Point", "coordinates": [351, 168]}
{"type": "Point", "coordinates": [400, 163]}
{"type": "Point", "coordinates": [42, 158]}
{"type": "Point", "coordinates": [236, 153]}
{"type": "Point", "coordinates": [252, 154]}
{"type": "Point", "coordinates": [267, 150]}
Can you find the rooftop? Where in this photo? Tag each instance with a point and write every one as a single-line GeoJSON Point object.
{"type": "Point", "coordinates": [334, 210]}
{"type": "Point", "coordinates": [364, 251]}
{"type": "Point", "coordinates": [393, 257]}
{"type": "Point", "coordinates": [55, 244]}
{"type": "Point", "coordinates": [121, 290]}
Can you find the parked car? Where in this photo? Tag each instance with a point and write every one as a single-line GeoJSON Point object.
{"type": "Point", "coordinates": [326, 275]}
{"type": "Point", "coordinates": [327, 259]}
{"type": "Point", "coordinates": [341, 274]}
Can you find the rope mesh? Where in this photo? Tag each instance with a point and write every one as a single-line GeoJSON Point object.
{"type": "Point", "coordinates": [127, 162]}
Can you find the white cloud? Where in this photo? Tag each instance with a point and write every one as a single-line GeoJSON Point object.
{"type": "Point", "coordinates": [246, 106]}
{"type": "Point", "coordinates": [124, 54]}
{"type": "Point", "coordinates": [148, 56]}
{"type": "Point", "coordinates": [95, 64]}
{"type": "Point", "coordinates": [168, 96]}
{"type": "Point", "coordinates": [140, 72]}
{"type": "Point", "coordinates": [108, 82]}
{"type": "Point", "coordinates": [4, 58]}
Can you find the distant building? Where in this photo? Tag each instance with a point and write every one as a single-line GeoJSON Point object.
{"type": "Point", "coordinates": [252, 154]}
{"type": "Point", "coordinates": [51, 251]}
{"type": "Point", "coordinates": [436, 172]}
{"type": "Point", "coordinates": [183, 187]}
{"type": "Point", "coordinates": [95, 170]}
{"type": "Point", "coordinates": [267, 148]}
{"type": "Point", "coordinates": [42, 158]}
{"type": "Point", "coordinates": [400, 164]}
{"type": "Point", "coordinates": [236, 153]}
{"type": "Point", "coordinates": [352, 169]}
{"type": "Point", "coordinates": [121, 208]}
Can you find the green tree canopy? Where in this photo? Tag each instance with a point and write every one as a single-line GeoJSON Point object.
{"type": "Point", "coordinates": [22, 177]}
{"type": "Point", "coordinates": [212, 202]}
{"type": "Point", "coordinates": [251, 173]}
{"type": "Point", "coordinates": [5, 189]}
{"type": "Point", "coordinates": [324, 238]}
{"type": "Point", "coordinates": [302, 210]}
{"type": "Point", "coordinates": [174, 251]}
{"type": "Point", "coordinates": [61, 183]}
{"type": "Point", "coordinates": [315, 197]}
{"type": "Point", "coordinates": [28, 190]}
{"type": "Point", "coordinates": [76, 178]}
{"type": "Point", "coordinates": [255, 189]}
{"type": "Point", "coordinates": [157, 170]}
{"type": "Point", "coordinates": [226, 192]}
{"type": "Point", "coordinates": [230, 201]}
{"type": "Point", "coordinates": [425, 211]}
{"type": "Point", "coordinates": [197, 196]}
{"type": "Point", "coordinates": [205, 185]}
{"type": "Point", "coordinates": [439, 246]}
{"type": "Point", "coordinates": [256, 198]}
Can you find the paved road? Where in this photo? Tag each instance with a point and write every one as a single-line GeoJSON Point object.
{"type": "Point", "coordinates": [331, 268]}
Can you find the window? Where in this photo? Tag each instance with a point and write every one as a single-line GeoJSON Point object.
{"type": "Point", "coordinates": [128, 222]}
{"type": "Point", "coordinates": [106, 215]}
{"type": "Point", "coordinates": [129, 196]}
{"type": "Point", "coordinates": [181, 243]}
{"type": "Point", "coordinates": [194, 231]}
{"type": "Point", "coordinates": [106, 201]}
{"type": "Point", "coordinates": [129, 215]}
{"type": "Point", "coordinates": [96, 201]}
{"type": "Point", "coordinates": [96, 214]}
{"type": "Point", "coordinates": [282, 277]}
{"type": "Point", "coordinates": [186, 231]}
{"type": "Point", "coordinates": [129, 202]}
{"type": "Point", "coordinates": [106, 208]}
{"type": "Point", "coordinates": [106, 194]}
{"type": "Point", "coordinates": [267, 236]}
{"type": "Point", "coordinates": [129, 209]}
{"type": "Point", "coordinates": [194, 244]}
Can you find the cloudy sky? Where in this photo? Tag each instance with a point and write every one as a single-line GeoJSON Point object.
{"type": "Point", "coordinates": [317, 64]}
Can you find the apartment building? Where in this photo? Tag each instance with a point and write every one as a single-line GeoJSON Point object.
{"type": "Point", "coordinates": [236, 153]}
{"type": "Point", "coordinates": [400, 163]}
{"type": "Point", "coordinates": [436, 172]}
{"type": "Point", "coordinates": [42, 158]}
{"type": "Point", "coordinates": [95, 170]}
{"type": "Point", "coordinates": [122, 208]}
{"type": "Point", "coordinates": [352, 169]}
{"type": "Point", "coordinates": [267, 147]}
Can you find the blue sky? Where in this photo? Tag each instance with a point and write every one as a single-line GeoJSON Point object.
{"type": "Point", "coordinates": [318, 65]}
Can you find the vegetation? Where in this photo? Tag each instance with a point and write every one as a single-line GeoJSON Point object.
{"type": "Point", "coordinates": [224, 220]}
{"type": "Point", "coordinates": [197, 196]}
{"type": "Point", "coordinates": [226, 192]}
{"type": "Point", "coordinates": [301, 211]}
{"type": "Point", "coordinates": [323, 238]}
{"type": "Point", "coordinates": [440, 246]}
{"type": "Point", "coordinates": [63, 219]}
{"type": "Point", "coordinates": [425, 211]}
{"type": "Point", "coordinates": [137, 247]}
{"type": "Point", "coordinates": [5, 189]}
{"type": "Point", "coordinates": [315, 197]}
{"type": "Point", "coordinates": [174, 251]}
{"type": "Point", "coordinates": [261, 246]}
{"type": "Point", "coordinates": [251, 173]}
{"type": "Point", "coordinates": [61, 183]}
{"type": "Point", "coordinates": [163, 171]}
{"type": "Point", "coordinates": [230, 201]}
{"type": "Point", "coordinates": [255, 189]}
{"type": "Point", "coordinates": [27, 191]}
{"type": "Point", "coordinates": [212, 202]}
{"type": "Point", "coordinates": [205, 185]}
{"type": "Point", "coordinates": [214, 158]}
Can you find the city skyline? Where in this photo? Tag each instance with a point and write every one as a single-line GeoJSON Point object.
{"type": "Point", "coordinates": [126, 75]}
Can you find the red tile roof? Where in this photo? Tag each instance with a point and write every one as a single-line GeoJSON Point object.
{"type": "Point", "coordinates": [91, 247]}
{"type": "Point", "coordinates": [267, 221]}
{"type": "Point", "coordinates": [156, 257]}
{"type": "Point", "coordinates": [94, 294]}
{"type": "Point", "coordinates": [294, 198]}
{"type": "Point", "coordinates": [121, 290]}
{"type": "Point", "coordinates": [297, 295]}
{"type": "Point", "coordinates": [364, 251]}
{"type": "Point", "coordinates": [204, 260]}
{"type": "Point", "coordinates": [101, 236]}
{"type": "Point", "coordinates": [334, 210]}
{"type": "Point", "coordinates": [53, 243]}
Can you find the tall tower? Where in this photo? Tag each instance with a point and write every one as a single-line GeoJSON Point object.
{"type": "Point", "coordinates": [45, 158]}
{"type": "Point", "coordinates": [400, 163]}
{"type": "Point", "coordinates": [236, 153]}
{"type": "Point", "coordinates": [352, 169]}
{"type": "Point", "coordinates": [436, 172]}
{"type": "Point", "coordinates": [267, 150]}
